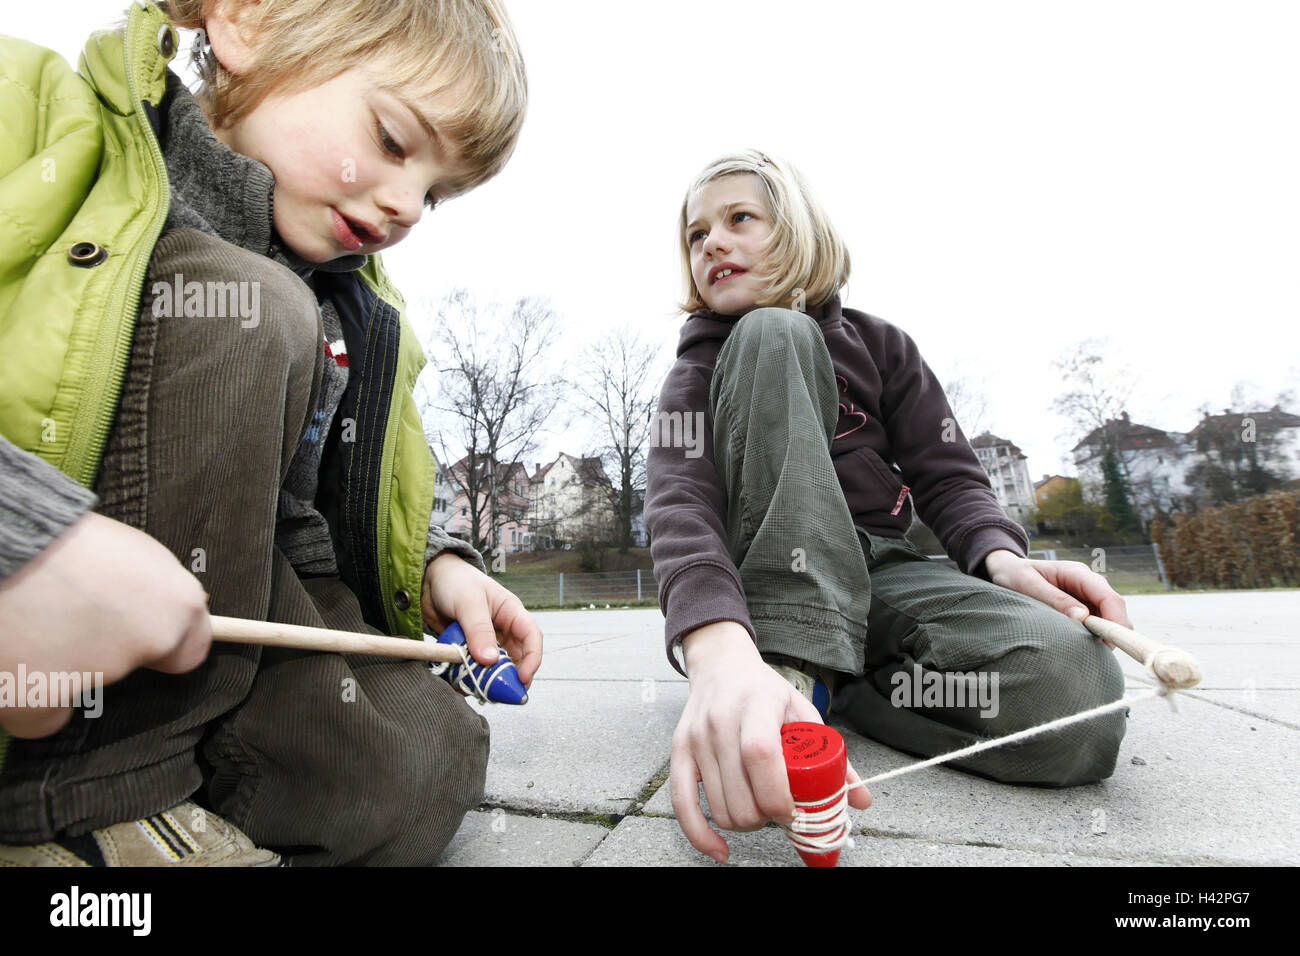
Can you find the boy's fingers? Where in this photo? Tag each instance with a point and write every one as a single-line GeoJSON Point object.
{"type": "Point", "coordinates": [480, 635]}
{"type": "Point", "coordinates": [683, 776]}
{"type": "Point", "coordinates": [192, 650]}
{"type": "Point", "coordinates": [523, 635]}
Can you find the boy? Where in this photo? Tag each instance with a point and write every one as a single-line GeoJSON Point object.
{"type": "Point", "coordinates": [209, 342]}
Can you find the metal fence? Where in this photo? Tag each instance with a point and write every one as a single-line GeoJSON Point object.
{"type": "Point", "coordinates": [615, 588]}
{"type": "Point", "coordinates": [1126, 567]}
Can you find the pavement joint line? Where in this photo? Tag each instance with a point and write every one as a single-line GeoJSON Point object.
{"type": "Point", "coordinates": [1197, 859]}
{"type": "Point", "coordinates": [624, 680]}
{"type": "Point", "coordinates": [598, 640]}
{"type": "Point", "coordinates": [1238, 710]}
{"type": "Point", "coordinates": [1147, 682]}
{"type": "Point", "coordinates": [1037, 850]}
{"type": "Point", "coordinates": [652, 786]}
{"type": "Point", "coordinates": [605, 821]}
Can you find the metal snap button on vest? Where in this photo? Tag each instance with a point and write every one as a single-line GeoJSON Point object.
{"type": "Point", "coordinates": [167, 40]}
{"type": "Point", "coordinates": [86, 254]}
{"type": "Point", "coordinates": [402, 599]}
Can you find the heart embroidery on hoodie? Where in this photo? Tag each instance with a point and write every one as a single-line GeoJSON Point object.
{"type": "Point", "coordinates": [849, 410]}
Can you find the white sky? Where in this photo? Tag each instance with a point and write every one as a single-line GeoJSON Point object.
{"type": "Point", "coordinates": [1010, 177]}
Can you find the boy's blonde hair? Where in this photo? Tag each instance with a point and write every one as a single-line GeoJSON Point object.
{"type": "Point", "coordinates": [424, 45]}
{"type": "Point", "coordinates": [803, 252]}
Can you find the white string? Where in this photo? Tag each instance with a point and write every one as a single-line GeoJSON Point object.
{"type": "Point", "coordinates": [465, 676]}
{"type": "Point", "coordinates": [821, 831]}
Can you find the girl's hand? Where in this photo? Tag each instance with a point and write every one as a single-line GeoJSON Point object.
{"type": "Point", "coordinates": [729, 737]}
{"type": "Point", "coordinates": [455, 590]}
{"type": "Point", "coordinates": [1069, 586]}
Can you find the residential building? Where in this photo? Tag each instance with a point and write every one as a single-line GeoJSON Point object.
{"type": "Point", "coordinates": [1154, 464]}
{"type": "Point", "coordinates": [512, 490]}
{"type": "Point", "coordinates": [1008, 471]}
{"type": "Point", "coordinates": [1050, 485]}
{"type": "Point", "coordinates": [570, 499]}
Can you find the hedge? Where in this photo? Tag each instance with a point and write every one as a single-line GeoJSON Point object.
{"type": "Point", "coordinates": [1249, 544]}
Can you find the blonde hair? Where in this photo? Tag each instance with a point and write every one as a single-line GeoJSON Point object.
{"type": "Point", "coordinates": [425, 46]}
{"type": "Point", "coordinates": [803, 252]}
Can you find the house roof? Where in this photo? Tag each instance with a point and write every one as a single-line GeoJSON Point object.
{"type": "Point", "coordinates": [506, 472]}
{"type": "Point", "coordinates": [1271, 420]}
{"type": "Point", "coordinates": [1127, 436]}
{"type": "Point", "coordinates": [989, 440]}
{"type": "Point", "coordinates": [588, 469]}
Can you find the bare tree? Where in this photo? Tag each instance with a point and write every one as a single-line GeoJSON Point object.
{"type": "Point", "coordinates": [495, 392]}
{"type": "Point", "coordinates": [617, 390]}
{"type": "Point", "coordinates": [1098, 390]}
{"type": "Point", "coordinates": [968, 403]}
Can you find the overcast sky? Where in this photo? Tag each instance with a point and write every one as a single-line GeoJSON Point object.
{"type": "Point", "coordinates": [1010, 177]}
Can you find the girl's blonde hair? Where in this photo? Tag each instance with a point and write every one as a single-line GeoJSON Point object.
{"type": "Point", "coordinates": [804, 251]}
{"type": "Point", "coordinates": [424, 45]}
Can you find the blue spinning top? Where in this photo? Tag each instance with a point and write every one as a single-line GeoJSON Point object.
{"type": "Point", "coordinates": [497, 682]}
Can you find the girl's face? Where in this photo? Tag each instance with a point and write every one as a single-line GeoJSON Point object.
{"type": "Point", "coordinates": [727, 224]}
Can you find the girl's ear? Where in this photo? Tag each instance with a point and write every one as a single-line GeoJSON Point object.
{"type": "Point", "coordinates": [229, 29]}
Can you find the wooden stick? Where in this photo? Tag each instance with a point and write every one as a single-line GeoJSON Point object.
{"type": "Point", "coordinates": [1175, 668]}
{"type": "Point", "coordinates": [242, 631]}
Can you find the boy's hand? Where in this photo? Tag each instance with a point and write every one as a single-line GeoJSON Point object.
{"type": "Point", "coordinates": [1068, 586]}
{"type": "Point", "coordinates": [729, 736]}
{"type": "Point", "coordinates": [455, 590]}
{"type": "Point", "coordinates": [102, 597]}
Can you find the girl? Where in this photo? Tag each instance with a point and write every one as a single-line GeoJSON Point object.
{"type": "Point", "coordinates": [780, 556]}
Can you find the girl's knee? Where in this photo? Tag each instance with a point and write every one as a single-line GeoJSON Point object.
{"type": "Point", "coordinates": [1065, 676]}
{"type": "Point", "coordinates": [770, 320]}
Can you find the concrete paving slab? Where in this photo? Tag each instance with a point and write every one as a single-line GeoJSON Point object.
{"type": "Point", "coordinates": [1205, 787]}
{"type": "Point", "coordinates": [1232, 666]}
{"type": "Point", "coordinates": [581, 746]}
{"type": "Point", "coordinates": [653, 841]}
{"type": "Point", "coordinates": [1198, 787]}
{"type": "Point", "coordinates": [1282, 706]}
{"type": "Point", "coordinates": [498, 838]}
{"type": "Point", "coordinates": [604, 645]}
{"type": "Point", "coordinates": [1187, 619]}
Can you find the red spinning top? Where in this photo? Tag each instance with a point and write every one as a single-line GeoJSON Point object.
{"type": "Point", "coordinates": [815, 762]}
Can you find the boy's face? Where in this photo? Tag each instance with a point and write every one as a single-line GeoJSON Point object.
{"type": "Point", "coordinates": [354, 165]}
{"type": "Point", "coordinates": [727, 224]}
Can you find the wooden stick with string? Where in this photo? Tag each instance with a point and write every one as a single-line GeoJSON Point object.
{"type": "Point", "coordinates": [1174, 668]}
{"type": "Point", "coordinates": [241, 631]}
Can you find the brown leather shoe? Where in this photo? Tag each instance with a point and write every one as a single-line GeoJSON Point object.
{"type": "Point", "coordinates": [185, 835]}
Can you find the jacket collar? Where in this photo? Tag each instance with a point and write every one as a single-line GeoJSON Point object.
{"type": "Point", "coordinates": [126, 64]}
{"type": "Point", "coordinates": [707, 324]}
{"type": "Point", "coordinates": [212, 187]}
